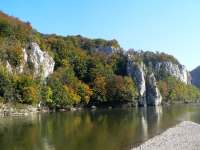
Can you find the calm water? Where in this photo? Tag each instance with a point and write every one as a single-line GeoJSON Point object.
{"type": "Point", "coordinates": [92, 130]}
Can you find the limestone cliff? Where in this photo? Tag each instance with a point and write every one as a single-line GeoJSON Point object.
{"type": "Point", "coordinates": [137, 72]}
{"type": "Point", "coordinates": [36, 60]}
{"type": "Point", "coordinates": [144, 76]}
{"type": "Point", "coordinates": [149, 93]}
{"type": "Point", "coordinates": [177, 70]}
{"type": "Point", "coordinates": [153, 97]}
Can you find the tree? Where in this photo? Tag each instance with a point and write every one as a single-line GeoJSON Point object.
{"type": "Point", "coordinates": [85, 92]}
{"type": "Point", "coordinates": [119, 63]}
{"type": "Point", "coordinates": [6, 84]}
{"type": "Point", "coordinates": [46, 95]}
{"type": "Point", "coordinates": [70, 96]}
{"type": "Point", "coordinates": [30, 95]}
{"type": "Point", "coordinates": [67, 89]}
{"type": "Point", "coordinates": [26, 89]}
{"type": "Point", "coordinates": [99, 88]}
{"type": "Point", "coordinates": [121, 89]}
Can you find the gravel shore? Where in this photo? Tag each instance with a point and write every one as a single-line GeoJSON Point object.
{"type": "Point", "coordinates": [184, 136]}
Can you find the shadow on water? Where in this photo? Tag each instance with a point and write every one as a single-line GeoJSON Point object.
{"type": "Point", "coordinates": [115, 129]}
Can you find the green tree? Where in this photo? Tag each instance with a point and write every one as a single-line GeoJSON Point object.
{"type": "Point", "coordinates": [99, 88]}
{"type": "Point", "coordinates": [26, 89]}
{"type": "Point", "coordinates": [47, 95]}
{"type": "Point", "coordinates": [175, 90]}
{"type": "Point", "coordinates": [121, 89]}
{"type": "Point", "coordinates": [6, 84]}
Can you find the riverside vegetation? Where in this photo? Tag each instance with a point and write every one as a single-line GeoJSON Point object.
{"type": "Point", "coordinates": [86, 72]}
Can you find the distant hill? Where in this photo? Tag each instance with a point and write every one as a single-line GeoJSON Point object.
{"type": "Point", "coordinates": [195, 74]}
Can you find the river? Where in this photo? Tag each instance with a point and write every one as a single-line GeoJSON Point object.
{"type": "Point", "coordinates": [116, 129]}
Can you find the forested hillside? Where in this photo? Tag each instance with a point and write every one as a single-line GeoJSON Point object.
{"type": "Point", "coordinates": [86, 72]}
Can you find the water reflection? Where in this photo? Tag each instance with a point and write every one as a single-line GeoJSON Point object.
{"type": "Point", "coordinates": [150, 120]}
{"type": "Point", "coordinates": [158, 112]}
{"type": "Point", "coordinates": [96, 130]}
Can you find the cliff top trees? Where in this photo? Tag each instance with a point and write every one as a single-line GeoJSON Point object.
{"type": "Point", "coordinates": [148, 56]}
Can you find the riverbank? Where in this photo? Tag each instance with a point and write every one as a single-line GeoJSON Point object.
{"type": "Point", "coordinates": [13, 109]}
{"type": "Point", "coordinates": [184, 136]}
{"type": "Point", "coordinates": [18, 109]}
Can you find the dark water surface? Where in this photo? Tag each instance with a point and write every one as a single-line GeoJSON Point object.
{"type": "Point", "coordinates": [91, 130]}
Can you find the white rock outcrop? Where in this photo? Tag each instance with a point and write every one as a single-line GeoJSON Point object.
{"type": "Point", "coordinates": [154, 96]}
{"type": "Point", "coordinates": [178, 71]}
{"type": "Point", "coordinates": [41, 61]}
{"type": "Point", "coordinates": [36, 60]}
{"type": "Point", "coordinates": [137, 72]}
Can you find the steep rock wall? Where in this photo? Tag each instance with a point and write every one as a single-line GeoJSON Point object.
{"type": "Point", "coordinates": [149, 93]}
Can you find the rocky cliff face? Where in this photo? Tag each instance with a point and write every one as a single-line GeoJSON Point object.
{"type": "Point", "coordinates": [36, 60]}
{"type": "Point", "coordinates": [149, 94]}
{"type": "Point", "coordinates": [153, 97]}
{"type": "Point", "coordinates": [195, 76]}
{"type": "Point", "coordinates": [137, 72]}
{"type": "Point", "coordinates": [144, 76]}
{"type": "Point", "coordinates": [41, 61]}
{"type": "Point", "coordinates": [176, 70]}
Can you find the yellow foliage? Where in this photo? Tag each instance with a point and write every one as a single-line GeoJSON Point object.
{"type": "Point", "coordinates": [71, 95]}
{"type": "Point", "coordinates": [30, 94]}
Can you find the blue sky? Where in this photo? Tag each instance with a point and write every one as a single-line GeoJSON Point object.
{"type": "Point", "coordinates": [171, 26]}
